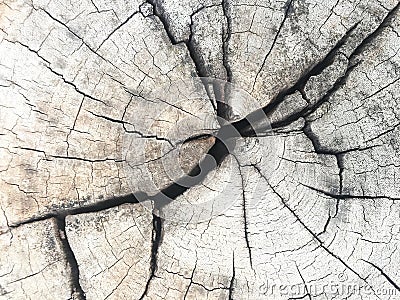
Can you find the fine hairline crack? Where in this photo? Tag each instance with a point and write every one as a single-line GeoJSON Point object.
{"type": "Point", "coordinates": [304, 226]}
{"type": "Point", "coordinates": [219, 151]}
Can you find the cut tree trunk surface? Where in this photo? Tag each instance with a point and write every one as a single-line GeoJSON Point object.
{"type": "Point", "coordinates": [228, 149]}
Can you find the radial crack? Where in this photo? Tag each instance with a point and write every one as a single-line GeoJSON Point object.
{"type": "Point", "coordinates": [222, 109]}
{"type": "Point", "coordinates": [285, 16]}
{"type": "Point", "coordinates": [96, 207]}
{"type": "Point", "coordinates": [245, 222]}
{"type": "Point", "coordinates": [226, 37]}
{"type": "Point", "coordinates": [232, 282]}
{"type": "Point", "coordinates": [244, 125]}
{"type": "Point", "coordinates": [155, 245]}
{"type": "Point", "coordinates": [383, 274]}
{"type": "Point", "coordinates": [76, 289]}
{"type": "Point", "coordinates": [350, 196]}
{"type": "Point", "coordinates": [303, 225]}
{"type": "Point", "coordinates": [373, 35]}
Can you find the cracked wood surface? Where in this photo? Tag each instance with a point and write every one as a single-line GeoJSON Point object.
{"type": "Point", "coordinates": [106, 139]}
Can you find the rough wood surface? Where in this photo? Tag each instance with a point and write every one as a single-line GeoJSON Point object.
{"type": "Point", "coordinates": [228, 149]}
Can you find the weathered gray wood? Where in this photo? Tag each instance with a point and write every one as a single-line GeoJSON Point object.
{"type": "Point", "coordinates": [106, 105]}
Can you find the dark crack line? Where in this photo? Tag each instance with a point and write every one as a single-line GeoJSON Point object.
{"type": "Point", "coordinates": [326, 62]}
{"type": "Point", "coordinates": [383, 274]}
{"type": "Point", "coordinates": [245, 221]}
{"type": "Point", "coordinates": [192, 49]}
{"type": "Point", "coordinates": [116, 28]}
{"type": "Point", "coordinates": [220, 150]}
{"type": "Point", "coordinates": [214, 157]}
{"type": "Point", "coordinates": [96, 207]}
{"type": "Point", "coordinates": [314, 236]}
{"type": "Point", "coordinates": [95, 6]}
{"type": "Point", "coordinates": [77, 36]}
{"type": "Point", "coordinates": [29, 49]}
{"type": "Point", "coordinates": [384, 132]}
{"type": "Point", "coordinates": [191, 281]}
{"type": "Point", "coordinates": [330, 15]}
{"type": "Point", "coordinates": [120, 282]}
{"type": "Point", "coordinates": [244, 125]}
{"type": "Point", "coordinates": [231, 288]}
{"type": "Point", "coordinates": [179, 108]}
{"type": "Point", "coordinates": [76, 289]}
{"type": "Point", "coordinates": [124, 123]}
{"type": "Point", "coordinates": [197, 283]}
{"type": "Point", "coordinates": [349, 196]}
{"type": "Point", "coordinates": [339, 161]}
{"type": "Point", "coordinates": [328, 220]}
{"type": "Point", "coordinates": [222, 90]}
{"type": "Point", "coordinates": [373, 35]}
{"type": "Point", "coordinates": [155, 245]}
{"type": "Point", "coordinates": [49, 157]}
{"type": "Point", "coordinates": [66, 27]}
{"type": "Point", "coordinates": [73, 126]}
{"type": "Point", "coordinates": [159, 12]}
{"type": "Point", "coordinates": [198, 62]}
{"type": "Point", "coordinates": [217, 152]}
{"type": "Point", "coordinates": [33, 274]}
{"type": "Point", "coordinates": [285, 16]}
{"type": "Point", "coordinates": [158, 99]}
{"type": "Point", "coordinates": [85, 159]}
{"type": "Point", "coordinates": [308, 110]}
{"type": "Point", "coordinates": [221, 108]}
{"type": "Point", "coordinates": [307, 294]}
{"type": "Point", "coordinates": [381, 89]}
{"type": "Point", "coordinates": [61, 76]}
{"type": "Point", "coordinates": [200, 65]}
{"type": "Point", "coordinates": [80, 38]}
{"type": "Point", "coordinates": [226, 37]}
{"type": "Point", "coordinates": [70, 83]}
{"type": "Point", "coordinates": [351, 65]}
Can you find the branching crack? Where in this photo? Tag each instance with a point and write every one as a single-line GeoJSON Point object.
{"type": "Point", "coordinates": [224, 143]}
{"type": "Point", "coordinates": [315, 236]}
{"type": "Point", "coordinates": [373, 35]}
{"type": "Point", "coordinates": [124, 123]}
{"type": "Point", "coordinates": [225, 137]}
{"type": "Point", "coordinates": [221, 107]}
{"type": "Point", "coordinates": [244, 125]}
